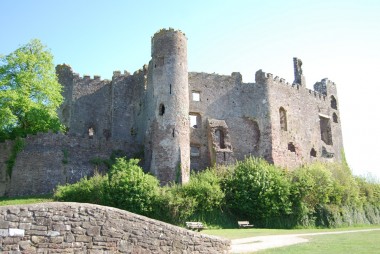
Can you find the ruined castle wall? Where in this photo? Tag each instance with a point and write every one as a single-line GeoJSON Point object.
{"type": "Point", "coordinates": [49, 159]}
{"type": "Point", "coordinates": [87, 104]}
{"type": "Point", "coordinates": [91, 107]}
{"type": "Point", "coordinates": [242, 106]}
{"type": "Point", "coordinates": [5, 153]}
{"type": "Point", "coordinates": [128, 106]}
{"type": "Point", "coordinates": [296, 114]}
{"type": "Point", "coordinates": [86, 228]}
{"type": "Point", "coordinates": [66, 79]}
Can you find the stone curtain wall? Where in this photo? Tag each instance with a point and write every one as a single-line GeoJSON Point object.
{"type": "Point", "coordinates": [87, 228]}
{"type": "Point", "coordinates": [50, 159]}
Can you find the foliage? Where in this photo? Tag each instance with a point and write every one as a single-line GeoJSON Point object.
{"type": "Point", "coordinates": [202, 195]}
{"type": "Point", "coordinates": [257, 191]}
{"type": "Point", "coordinates": [125, 186]}
{"type": "Point", "coordinates": [90, 190]}
{"type": "Point", "coordinates": [317, 195]}
{"type": "Point", "coordinates": [17, 147]}
{"type": "Point", "coordinates": [130, 188]}
{"type": "Point", "coordinates": [30, 92]}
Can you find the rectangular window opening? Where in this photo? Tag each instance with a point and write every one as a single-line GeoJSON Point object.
{"type": "Point", "coordinates": [195, 120]}
{"type": "Point", "coordinates": [196, 96]}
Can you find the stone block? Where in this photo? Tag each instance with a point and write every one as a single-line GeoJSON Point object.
{"type": "Point", "coordinates": [53, 233]}
{"type": "Point", "coordinates": [16, 232]}
{"type": "Point", "coordinates": [4, 232]}
{"type": "Point", "coordinates": [24, 225]}
{"type": "Point", "coordinates": [83, 238]}
{"type": "Point", "coordinates": [4, 224]}
{"type": "Point", "coordinates": [93, 231]}
{"type": "Point", "coordinates": [12, 217]}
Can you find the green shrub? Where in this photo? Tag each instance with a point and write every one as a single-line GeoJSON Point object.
{"type": "Point", "coordinates": [259, 192]}
{"type": "Point", "coordinates": [129, 188]}
{"type": "Point", "coordinates": [92, 190]}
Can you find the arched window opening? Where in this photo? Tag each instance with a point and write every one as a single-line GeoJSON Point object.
{"type": "Point", "coordinates": [313, 153]}
{"type": "Point", "coordinates": [220, 138]}
{"type": "Point", "coordinates": [162, 110]}
{"type": "Point", "coordinates": [283, 120]}
{"type": "Point", "coordinates": [335, 118]}
{"type": "Point", "coordinates": [333, 102]}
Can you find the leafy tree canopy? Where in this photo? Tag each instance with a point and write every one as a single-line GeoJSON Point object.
{"type": "Point", "coordinates": [29, 92]}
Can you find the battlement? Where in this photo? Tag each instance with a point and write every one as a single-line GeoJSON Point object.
{"type": "Point", "coordinates": [266, 78]}
{"type": "Point", "coordinates": [170, 30]}
{"type": "Point", "coordinates": [88, 77]}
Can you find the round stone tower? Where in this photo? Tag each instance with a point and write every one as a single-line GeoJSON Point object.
{"type": "Point", "coordinates": [168, 91]}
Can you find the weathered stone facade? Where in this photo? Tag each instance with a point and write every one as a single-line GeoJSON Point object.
{"type": "Point", "coordinates": [187, 120]}
{"type": "Point", "coordinates": [87, 228]}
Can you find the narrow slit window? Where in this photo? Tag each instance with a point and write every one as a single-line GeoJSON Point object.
{"type": "Point", "coordinates": [196, 96]}
{"type": "Point", "coordinates": [335, 118]}
{"type": "Point", "coordinates": [161, 110]}
{"type": "Point", "coordinates": [170, 88]}
{"type": "Point", "coordinates": [333, 102]}
{"type": "Point", "coordinates": [91, 132]}
{"type": "Point", "coordinates": [283, 120]}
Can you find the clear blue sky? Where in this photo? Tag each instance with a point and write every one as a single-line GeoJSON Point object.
{"type": "Point", "coordinates": [335, 39]}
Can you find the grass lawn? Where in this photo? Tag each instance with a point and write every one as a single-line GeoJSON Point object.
{"type": "Point", "coordinates": [252, 232]}
{"type": "Point", "coordinates": [355, 243]}
{"type": "Point", "coordinates": [26, 200]}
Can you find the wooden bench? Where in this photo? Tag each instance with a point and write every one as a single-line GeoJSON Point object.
{"type": "Point", "coordinates": [244, 224]}
{"type": "Point", "coordinates": [195, 225]}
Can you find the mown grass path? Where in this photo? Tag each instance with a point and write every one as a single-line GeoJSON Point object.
{"type": "Point", "coordinates": [329, 243]}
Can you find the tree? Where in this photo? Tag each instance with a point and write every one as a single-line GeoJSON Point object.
{"type": "Point", "coordinates": [29, 92]}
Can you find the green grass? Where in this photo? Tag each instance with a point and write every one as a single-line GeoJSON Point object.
{"type": "Point", "coordinates": [252, 232]}
{"type": "Point", "coordinates": [26, 200]}
{"type": "Point", "coordinates": [358, 243]}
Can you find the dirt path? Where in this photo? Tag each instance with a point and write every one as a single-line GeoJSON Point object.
{"type": "Point", "coordinates": [252, 244]}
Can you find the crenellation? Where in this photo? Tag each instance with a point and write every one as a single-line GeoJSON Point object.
{"type": "Point", "coordinates": [116, 73]}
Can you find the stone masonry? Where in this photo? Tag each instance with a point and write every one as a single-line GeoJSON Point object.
{"type": "Point", "coordinates": [181, 121]}
{"type": "Point", "coordinates": [93, 229]}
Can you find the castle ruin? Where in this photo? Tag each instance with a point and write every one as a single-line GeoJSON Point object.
{"type": "Point", "coordinates": [183, 121]}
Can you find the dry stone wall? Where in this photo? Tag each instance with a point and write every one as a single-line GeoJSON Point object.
{"type": "Point", "coordinates": [87, 228]}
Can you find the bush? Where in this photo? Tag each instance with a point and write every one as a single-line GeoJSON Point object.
{"type": "Point", "coordinates": [129, 188]}
{"type": "Point", "coordinates": [194, 200]}
{"type": "Point", "coordinates": [91, 190]}
{"type": "Point", "coordinates": [259, 192]}
{"type": "Point", "coordinates": [322, 195]}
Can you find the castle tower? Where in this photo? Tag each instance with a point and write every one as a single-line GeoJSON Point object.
{"type": "Point", "coordinates": [168, 99]}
